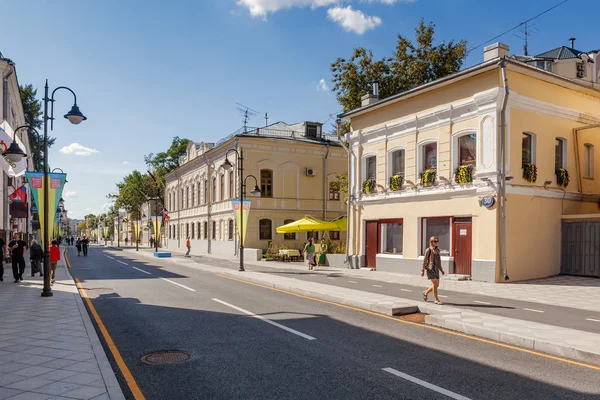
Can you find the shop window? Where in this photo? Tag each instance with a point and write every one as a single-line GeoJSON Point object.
{"type": "Point", "coordinates": [440, 227]}
{"type": "Point", "coordinates": [334, 193]}
{"type": "Point", "coordinates": [266, 183]}
{"type": "Point", "coordinates": [588, 161]}
{"type": "Point", "coordinates": [265, 231]}
{"type": "Point", "coordinates": [230, 229]}
{"type": "Point", "coordinates": [187, 230]}
{"type": "Point", "coordinates": [289, 236]}
{"type": "Point", "coordinates": [334, 235]}
{"type": "Point", "coordinates": [528, 148]}
{"type": "Point", "coordinates": [467, 149]}
{"type": "Point", "coordinates": [391, 234]}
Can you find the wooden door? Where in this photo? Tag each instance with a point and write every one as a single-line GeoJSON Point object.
{"type": "Point", "coordinates": [462, 247]}
{"type": "Point", "coordinates": [371, 244]}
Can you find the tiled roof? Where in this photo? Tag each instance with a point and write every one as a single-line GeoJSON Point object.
{"type": "Point", "coordinates": [561, 53]}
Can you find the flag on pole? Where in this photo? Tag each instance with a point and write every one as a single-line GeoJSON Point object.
{"type": "Point", "coordinates": [239, 215]}
{"type": "Point", "coordinates": [20, 193]}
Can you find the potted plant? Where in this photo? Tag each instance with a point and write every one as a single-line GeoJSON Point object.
{"type": "Point", "coordinates": [463, 174]}
{"type": "Point", "coordinates": [529, 172]}
{"type": "Point", "coordinates": [562, 177]}
{"type": "Point", "coordinates": [369, 186]}
{"type": "Point", "coordinates": [396, 182]}
{"type": "Point", "coordinates": [428, 177]}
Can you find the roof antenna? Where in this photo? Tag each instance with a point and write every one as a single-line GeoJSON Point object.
{"type": "Point", "coordinates": [247, 113]}
{"type": "Point", "coordinates": [526, 30]}
{"type": "Point", "coordinates": [266, 119]}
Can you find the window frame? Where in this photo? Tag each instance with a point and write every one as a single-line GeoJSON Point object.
{"type": "Point", "coordinates": [563, 152]}
{"type": "Point", "coordinates": [588, 161]}
{"type": "Point", "coordinates": [230, 229]}
{"type": "Point", "coordinates": [421, 154]}
{"type": "Point", "coordinates": [263, 186]}
{"type": "Point", "coordinates": [231, 182]}
{"type": "Point", "coordinates": [214, 230]}
{"type": "Point", "coordinates": [206, 191]}
{"type": "Point", "coordinates": [205, 233]}
{"type": "Point", "coordinates": [222, 187]}
{"type": "Point", "coordinates": [387, 221]}
{"type": "Point", "coordinates": [390, 162]}
{"type": "Point", "coordinates": [337, 235]}
{"type": "Point", "coordinates": [193, 235]}
{"type": "Point", "coordinates": [532, 151]}
{"type": "Point", "coordinates": [334, 193]}
{"type": "Point", "coordinates": [260, 233]}
{"type": "Point", "coordinates": [456, 148]}
{"type": "Point", "coordinates": [425, 240]}
{"type": "Point", "coordinates": [289, 236]}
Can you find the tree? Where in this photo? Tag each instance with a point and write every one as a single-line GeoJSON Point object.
{"type": "Point", "coordinates": [32, 108]}
{"type": "Point", "coordinates": [135, 189]}
{"type": "Point", "coordinates": [411, 65]}
{"type": "Point", "coordinates": [165, 162]}
{"type": "Point", "coordinates": [341, 183]}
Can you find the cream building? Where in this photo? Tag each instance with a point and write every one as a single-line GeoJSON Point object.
{"type": "Point", "coordinates": [489, 127]}
{"type": "Point", "coordinates": [294, 165]}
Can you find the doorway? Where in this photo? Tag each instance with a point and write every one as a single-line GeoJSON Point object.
{"type": "Point", "coordinates": [462, 246]}
{"type": "Point", "coordinates": [371, 244]}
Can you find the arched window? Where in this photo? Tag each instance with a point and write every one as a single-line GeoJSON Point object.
{"type": "Point", "coordinates": [187, 230]}
{"type": "Point", "coordinates": [214, 190]}
{"type": "Point", "coordinates": [198, 201]}
{"type": "Point", "coordinates": [205, 191]}
{"type": "Point", "coordinates": [588, 161]}
{"type": "Point", "coordinates": [181, 203]}
{"type": "Point", "coordinates": [290, 236]}
{"type": "Point", "coordinates": [205, 230]}
{"type": "Point", "coordinates": [265, 229]}
{"type": "Point", "coordinates": [187, 197]}
{"type": "Point", "coordinates": [266, 183]}
{"type": "Point", "coordinates": [467, 149]}
{"type": "Point", "coordinates": [222, 191]}
{"type": "Point", "coordinates": [193, 233]}
{"type": "Point", "coordinates": [230, 230]}
{"type": "Point", "coordinates": [221, 231]}
{"type": "Point", "coordinates": [231, 190]}
{"type": "Point", "coordinates": [214, 229]}
{"type": "Point", "coordinates": [428, 156]}
{"type": "Point", "coordinates": [193, 194]}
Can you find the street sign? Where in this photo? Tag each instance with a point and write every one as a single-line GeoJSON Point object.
{"type": "Point", "coordinates": [488, 201]}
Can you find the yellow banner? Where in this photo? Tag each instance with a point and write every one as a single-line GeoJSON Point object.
{"type": "Point", "coordinates": [241, 216]}
{"type": "Point", "coordinates": [157, 222]}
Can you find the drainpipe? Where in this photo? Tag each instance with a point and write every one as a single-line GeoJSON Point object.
{"type": "Point", "coordinates": [208, 203]}
{"type": "Point", "coordinates": [502, 171]}
{"type": "Point", "coordinates": [325, 184]}
{"type": "Point", "coordinates": [236, 186]}
{"type": "Point", "coordinates": [347, 260]}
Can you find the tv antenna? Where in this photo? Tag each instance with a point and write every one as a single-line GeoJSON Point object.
{"type": "Point", "coordinates": [247, 113]}
{"type": "Point", "coordinates": [526, 31]}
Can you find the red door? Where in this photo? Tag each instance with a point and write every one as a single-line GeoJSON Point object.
{"type": "Point", "coordinates": [371, 244]}
{"type": "Point", "coordinates": [462, 247]}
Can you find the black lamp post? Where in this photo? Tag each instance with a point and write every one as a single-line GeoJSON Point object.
{"type": "Point", "coordinates": [14, 152]}
{"type": "Point", "coordinates": [75, 117]}
{"type": "Point", "coordinates": [242, 187]}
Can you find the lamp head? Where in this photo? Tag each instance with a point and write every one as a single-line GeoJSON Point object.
{"type": "Point", "coordinates": [256, 191]}
{"type": "Point", "coordinates": [226, 164]}
{"type": "Point", "coordinates": [14, 153]}
{"type": "Point", "coordinates": [75, 116]}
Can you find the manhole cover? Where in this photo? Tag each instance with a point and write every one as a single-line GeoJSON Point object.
{"type": "Point", "coordinates": [416, 317]}
{"type": "Point", "coordinates": [166, 357]}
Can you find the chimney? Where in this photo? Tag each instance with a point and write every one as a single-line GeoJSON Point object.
{"type": "Point", "coordinates": [495, 50]}
{"type": "Point", "coordinates": [368, 98]}
{"type": "Point", "coordinates": [572, 40]}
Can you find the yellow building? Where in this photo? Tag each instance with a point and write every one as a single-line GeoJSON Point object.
{"type": "Point", "coordinates": [435, 160]}
{"type": "Point", "coordinates": [292, 164]}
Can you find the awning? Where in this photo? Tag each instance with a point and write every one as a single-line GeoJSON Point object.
{"type": "Point", "coordinates": [307, 224]}
{"type": "Point", "coordinates": [17, 209]}
{"type": "Point", "coordinates": [342, 224]}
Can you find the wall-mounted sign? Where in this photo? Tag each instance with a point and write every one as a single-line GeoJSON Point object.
{"type": "Point", "coordinates": [463, 232]}
{"type": "Point", "coordinates": [488, 201]}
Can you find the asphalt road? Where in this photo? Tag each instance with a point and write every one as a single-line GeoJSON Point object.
{"type": "Point", "coordinates": [249, 342]}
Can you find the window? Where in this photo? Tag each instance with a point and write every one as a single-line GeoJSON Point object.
{"type": "Point", "coordinates": [192, 194]}
{"type": "Point", "coordinates": [289, 236]}
{"type": "Point", "coordinates": [214, 230]}
{"type": "Point", "coordinates": [527, 149]}
{"type": "Point", "coordinates": [170, 203]}
{"type": "Point", "coordinates": [198, 202]}
{"type": "Point", "coordinates": [266, 183]}
{"type": "Point", "coordinates": [187, 230]}
{"type": "Point", "coordinates": [559, 154]}
{"type": "Point", "coordinates": [264, 229]}
{"type": "Point", "coordinates": [205, 191]}
{"type": "Point", "coordinates": [334, 235]}
{"type": "Point", "coordinates": [391, 231]}
{"type": "Point", "coordinates": [428, 156]}
{"type": "Point", "coordinates": [222, 191]}
{"type": "Point", "coordinates": [314, 235]}
{"type": "Point", "coordinates": [193, 233]}
{"type": "Point", "coordinates": [231, 181]}
{"type": "Point", "coordinates": [588, 160]}
{"type": "Point", "coordinates": [371, 167]}
{"type": "Point", "coordinates": [181, 199]}
{"type": "Point", "coordinates": [397, 162]}
{"type": "Point", "coordinates": [187, 197]}
{"type": "Point", "coordinates": [334, 193]}
{"type": "Point", "coordinates": [198, 230]}
{"type": "Point", "coordinates": [230, 230]}
{"type": "Point", "coordinates": [467, 149]}
{"type": "Point", "coordinates": [311, 131]}
{"type": "Point", "coordinates": [221, 231]}
{"type": "Point", "coordinates": [213, 195]}
{"type": "Point", "coordinates": [440, 227]}
{"type": "Point", "coordinates": [205, 230]}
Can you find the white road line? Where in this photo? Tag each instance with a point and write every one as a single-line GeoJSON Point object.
{"type": "Point", "coordinates": [539, 301]}
{"type": "Point", "coordinates": [406, 290]}
{"type": "Point", "coordinates": [178, 284]}
{"type": "Point", "coordinates": [110, 257]}
{"type": "Point", "coordinates": [141, 270]}
{"type": "Point", "coordinates": [481, 302]}
{"type": "Point", "coordinates": [352, 282]}
{"type": "Point", "coordinates": [427, 385]}
{"type": "Point", "coordinates": [124, 263]}
{"type": "Point", "coordinates": [532, 310]}
{"type": "Point", "coordinates": [376, 285]}
{"type": "Point", "coordinates": [268, 321]}
{"type": "Point", "coordinates": [592, 319]}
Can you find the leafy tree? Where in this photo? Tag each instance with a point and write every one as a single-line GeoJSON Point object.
{"type": "Point", "coordinates": [164, 162]}
{"type": "Point", "coordinates": [135, 189]}
{"type": "Point", "coordinates": [32, 108]}
{"type": "Point", "coordinates": [341, 183]}
{"type": "Point", "coordinates": [411, 65]}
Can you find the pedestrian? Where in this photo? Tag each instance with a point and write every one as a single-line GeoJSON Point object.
{"type": "Point", "coordinates": [309, 253]}
{"type": "Point", "coordinates": [126, 240]}
{"type": "Point", "coordinates": [432, 263]}
{"type": "Point", "coordinates": [18, 249]}
{"type": "Point", "coordinates": [85, 242]}
{"type": "Point", "coordinates": [188, 245]}
{"type": "Point", "coordinates": [78, 246]}
{"type": "Point", "coordinates": [54, 258]}
{"type": "Point", "coordinates": [35, 258]}
{"type": "Point", "coordinates": [3, 259]}
{"type": "Point", "coordinates": [151, 241]}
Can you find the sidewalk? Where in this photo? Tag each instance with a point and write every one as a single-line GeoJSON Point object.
{"type": "Point", "coordinates": [563, 342]}
{"type": "Point", "coordinates": [49, 348]}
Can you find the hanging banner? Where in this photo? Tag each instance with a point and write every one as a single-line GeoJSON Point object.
{"type": "Point", "coordinates": [6, 137]}
{"type": "Point", "coordinates": [157, 222]}
{"type": "Point", "coordinates": [105, 231]}
{"type": "Point", "coordinates": [137, 224]}
{"type": "Point", "coordinates": [239, 215]}
{"type": "Point", "coordinates": [56, 183]}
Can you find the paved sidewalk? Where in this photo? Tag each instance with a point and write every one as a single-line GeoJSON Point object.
{"type": "Point", "coordinates": [49, 348]}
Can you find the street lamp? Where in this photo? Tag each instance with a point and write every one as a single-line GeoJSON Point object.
{"type": "Point", "coordinates": [14, 153]}
{"type": "Point", "coordinates": [75, 117]}
{"type": "Point", "coordinates": [255, 192]}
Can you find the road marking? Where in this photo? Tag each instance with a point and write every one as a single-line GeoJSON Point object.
{"type": "Point", "coordinates": [110, 257]}
{"type": "Point", "coordinates": [481, 302]}
{"type": "Point", "coordinates": [442, 296]}
{"type": "Point", "coordinates": [268, 321]}
{"type": "Point", "coordinates": [376, 285]}
{"type": "Point", "coordinates": [352, 282]}
{"type": "Point", "coordinates": [178, 284]}
{"type": "Point", "coordinates": [406, 290]}
{"type": "Point", "coordinates": [539, 301]}
{"type": "Point", "coordinates": [592, 319]}
{"type": "Point", "coordinates": [427, 385]}
{"type": "Point", "coordinates": [532, 310]}
{"type": "Point", "coordinates": [433, 328]}
{"type": "Point", "coordinates": [124, 263]}
{"type": "Point", "coordinates": [330, 278]}
{"type": "Point", "coordinates": [141, 270]}
{"type": "Point", "coordinates": [135, 390]}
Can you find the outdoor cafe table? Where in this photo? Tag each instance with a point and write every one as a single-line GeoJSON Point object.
{"type": "Point", "coordinates": [288, 254]}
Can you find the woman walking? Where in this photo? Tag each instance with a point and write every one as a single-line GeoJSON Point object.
{"type": "Point", "coordinates": [78, 245]}
{"type": "Point", "coordinates": [309, 252]}
{"type": "Point", "coordinates": [432, 263]}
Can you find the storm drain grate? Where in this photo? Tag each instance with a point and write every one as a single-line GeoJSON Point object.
{"type": "Point", "coordinates": [166, 357]}
{"type": "Point", "coordinates": [416, 317]}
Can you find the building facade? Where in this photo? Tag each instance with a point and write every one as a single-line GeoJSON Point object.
{"type": "Point", "coordinates": [434, 161]}
{"type": "Point", "coordinates": [293, 165]}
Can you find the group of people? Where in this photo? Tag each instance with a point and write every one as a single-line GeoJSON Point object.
{"type": "Point", "coordinates": [82, 244]}
{"type": "Point", "coordinates": [18, 249]}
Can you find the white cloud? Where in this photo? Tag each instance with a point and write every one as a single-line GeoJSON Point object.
{"type": "Point", "coordinates": [260, 8]}
{"type": "Point", "coordinates": [389, 2]}
{"type": "Point", "coordinates": [106, 206]}
{"type": "Point", "coordinates": [75, 149]}
{"type": "Point", "coordinates": [126, 163]}
{"type": "Point", "coordinates": [322, 86]}
{"type": "Point", "coordinates": [71, 194]}
{"type": "Point", "coordinates": [353, 20]}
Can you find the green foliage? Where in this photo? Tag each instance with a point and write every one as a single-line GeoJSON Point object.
{"type": "Point", "coordinates": [411, 65]}
{"type": "Point", "coordinates": [562, 177]}
{"type": "Point", "coordinates": [369, 186]}
{"type": "Point", "coordinates": [341, 184]}
{"type": "Point", "coordinates": [133, 192]}
{"type": "Point", "coordinates": [463, 174]}
{"type": "Point", "coordinates": [32, 108]}
{"type": "Point", "coordinates": [529, 172]}
{"type": "Point", "coordinates": [396, 182]}
{"type": "Point", "coordinates": [338, 248]}
{"type": "Point", "coordinates": [429, 176]}
{"type": "Point", "coordinates": [164, 162]}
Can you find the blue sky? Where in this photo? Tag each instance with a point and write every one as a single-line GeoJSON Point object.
{"type": "Point", "coordinates": [145, 71]}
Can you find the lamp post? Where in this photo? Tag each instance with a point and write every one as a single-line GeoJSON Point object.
{"type": "Point", "coordinates": [242, 187]}
{"type": "Point", "coordinates": [14, 152]}
{"type": "Point", "coordinates": [75, 117]}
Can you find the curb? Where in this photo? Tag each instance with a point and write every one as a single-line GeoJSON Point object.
{"type": "Point", "coordinates": [110, 380]}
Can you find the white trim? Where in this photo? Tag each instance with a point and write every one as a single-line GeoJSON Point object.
{"type": "Point", "coordinates": [539, 191]}
{"type": "Point", "coordinates": [363, 167]}
{"type": "Point", "coordinates": [389, 255]}
{"type": "Point", "coordinates": [389, 160]}
{"type": "Point", "coordinates": [542, 107]}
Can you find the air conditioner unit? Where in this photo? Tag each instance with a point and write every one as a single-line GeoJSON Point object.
{"type": "Point", "coordinates": [310, 171]}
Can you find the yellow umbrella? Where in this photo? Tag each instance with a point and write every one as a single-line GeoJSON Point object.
{"type": "Point", "coordinates": [342, 224]}
{"type": "Point", "coordinates": [307, 224]}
